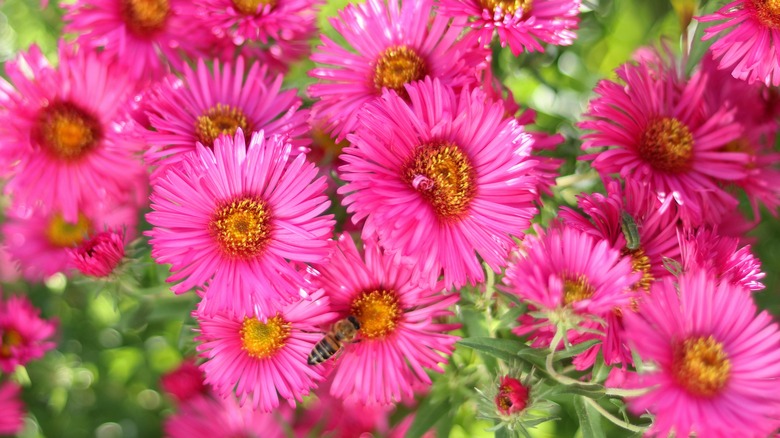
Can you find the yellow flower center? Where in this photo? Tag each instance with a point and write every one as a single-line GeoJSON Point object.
{"type": "Point", "coordinates": [443, 174]}
{"type": "Point", "coordinates": [261, 340]}
{"type": "Point", "coordinates": [10, 339]}
{"type": "Point", "coordinates": [508, 7]}
{"type": "Point", "coordinates": [66, 234]}
{"type": "Point", "coordinates": [767, 12]}
{"type": "Point", "coordinates": [640, 262]}
{"type": "Point", "coordinates": [242, 227]}
{"type": "Point", "coordinates": [250, 7]}
{"type": "Point", "coordinates": [701, 366]}
{"type": "Point", "coordinates": [397, 66]}
{"type": "Point", "coordinates": [220, 119]}
{"type": "Point", "coordinates": [145, 16]}
{"type": "Point", "coordinates": [576, 289]}
{"type": "Point", "coordinates": [667, 145]}
{"type": "Point", "coordinates": [66, 131]}
{"type": "Point", "coordinates": [377, 311]}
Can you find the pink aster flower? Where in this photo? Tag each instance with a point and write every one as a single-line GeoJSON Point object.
{"type": "Point", "coordinates": [64, 134]}
{"type": "Point", "coordinates": [184, 383]}
{"type": "Point", "coordinates": [400, 334]}
{"type": "Point", "coordinates": [388, 46]}
{"type": "Point", "coordinates": [750, 48]}
{"type": "Point", "coordinates": [523, 24]}
{"type": "Point", "coordinates": [445, 180]}
{"type": "Point", "coordinates": [208, 103]}
{"type": "Point", "coordinates": [99, 255]}
{"type": "Point", "coordinates": [512, 396]}
{"type": "Point", "coordinates": [24, 336]}
{"type": "Point", "coordinates": [144, 36]}
{"type": "Point", "coordinates": [722, 257]}
{"type": "Point", "coordinates": [207, 417]}
{"type": "Point", "coordinates": [262, 20]}
{"type": "Point", "coordinates": [11, 409]}
{"type": "Point", "coordinates": [263, 361]}
{"type": "Point", "coordinates": [231, 217]}
{"type": "Point", "coordinates": [41, 240]}
{"type": "Point", "coordinates": [657, 129]}
{"type": "Point", "coordinates": [717, 361]}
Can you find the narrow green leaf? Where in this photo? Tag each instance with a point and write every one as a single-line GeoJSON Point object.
{"type": "Point", "coordinates": [590, 419]}
{"type": "Point", "coordinates": [507, 350]}
{"type": "Point", "coordinates": [428, 414]}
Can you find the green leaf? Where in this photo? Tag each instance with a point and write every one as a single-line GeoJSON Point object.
{"type": "Point", "coordinates": [507, 350]}
{"type": "Point", "coordinates": [428, 414]}
{"type": "Point", "coordinates": [590, 419]}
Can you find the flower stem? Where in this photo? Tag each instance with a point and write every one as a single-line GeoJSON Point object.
{"type": "Point", "coordinates": [617, 421]}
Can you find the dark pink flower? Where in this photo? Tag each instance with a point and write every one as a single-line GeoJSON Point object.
{"type": "Point", "coordinates": [24, 336]}
{"type": "Point", "coordinates": [11, 409]}
{"type": "Point", "coordinates": [99, 255]}
{"type": "Point", "coordinates": [184, 383]}
{"type": "Point", "coordinates": [512, 396]}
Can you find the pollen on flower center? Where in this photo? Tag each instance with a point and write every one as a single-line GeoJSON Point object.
{"type": "Point", "coordinates": [701, 366]}
{"type": "Point", "coordinates": [508, 6]}
{"type": "Point", "coordinates": [65, 234]}
{"type": "Point", "coordinates": [10, 339]}
{"type": "Point", "coordinates": [66, 131]}
{"type": "Point", "coordinates": [250, 7]}
{"type": "Point", "coordinates": [397, 66]}
{"type": "Point", "coordinates": [576, 289]}
{"type": "Point", "coordinates": [640, 262]}
{"type": "Point", "coordinates": [443, 174]}
{"type": "Point", "coordinates": [261, 340]}
{"type": "Point", "coordinates": [220, 119]}
{"type": "Point", "coordinates": [242, 227]}
{"type": "Point", "coordinates": [667, 145]}
{"type": "Point", "coordinates": [145, 16]}
{"type": "Point", "coordinates": [378, 312]}
{"type": "Point", "coordinates": [767, 12]}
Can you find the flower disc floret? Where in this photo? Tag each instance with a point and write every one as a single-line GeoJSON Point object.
{"type": "Point", "coordinates": [242, 226]}
{"type": "Point", "coordinates": [220, 120]}
{"type": "Point", "coordinates": [263, 339]}
{"type": "Point", "coordinates": [667, 144]}
{"type": "Point", "coordinates": [66, 131]}
{"type": "Point", "coordinates": [508, 7]}
{"type": "Point", "coordinates": [251, 7]}
{"type": "Point", "coordinates": [701, 366]}
{"type": "Point", "coordinates": [767, 12]}
{"type": "Point", "coordinates": [68, 234]}
{"type": "Point", "coordinates": [145, 16]}
{"type": "Point", "coordinates": [398, 66]}
{"type": "Point", "coordinates": [378, 312]}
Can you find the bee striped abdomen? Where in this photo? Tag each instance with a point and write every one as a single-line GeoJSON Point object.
{"type": "Point", "coordinates": [324, 350]}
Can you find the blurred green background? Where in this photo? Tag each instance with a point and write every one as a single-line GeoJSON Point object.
{"type": "Point", "coordinates": [113, 346]}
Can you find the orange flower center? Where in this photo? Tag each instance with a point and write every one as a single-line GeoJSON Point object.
{"type": "Point", "coordinates": [145, 16]}
{"type": "Point", "coordinates": [261, 340]}
{"type": "Point", "coordinates": [242, 227]}
{"type": "Point", "coordinates": [443, 174]}
{"type": "Point", "coordinates": [667, 145]}
{"type": "Point", "coordinates": [218, 120]}
{"type": "Point", "coordinates": [576, 289]}
{"type": "Point", "coordinates": [767, 12]}
{"type": "Point", "coordinates": [397, 66]}
{"type": "Point", "coordinates": [640, 262]}
{"type": "Point", "coordinates": [508, 7]}
{"type": "Point", "coordinates": [66, 131]}
{"type": "Point", "coordinates": [10, 339]}
{"type": "Point", "coordinates": [701, 366]}
{"type": "Point", "coordinates": [377, 311]}
{"type": "Point", "coordinates": [66, 234]}
{"type": "Point", "coordinates": [250, 7]}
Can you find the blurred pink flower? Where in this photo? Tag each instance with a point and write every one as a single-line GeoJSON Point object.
{"type": "Point", "coordinates": [100, 254]}
{"type": "Point", "coordinates": [24, 336]}
{"type": "Point", "coordinates": [184, 383]}
{"type": "Point", "coordinates": [207, 417]}
{"type": "Point", "coordinates": [11, 409]}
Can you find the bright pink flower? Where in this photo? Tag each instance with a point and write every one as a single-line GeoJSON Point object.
{"type": "Point", "coordinates": [24, 336]}
{"type": "Point", "coordinates": [207, 417]}
{"type": "Point", "coordinates": [64, 134]}
{"type": "Point", "coordinates": [750, 49]}
{"type": "Point", "coordinates": [565, 268]}
{"type": "Point", "coordinates": [185, 383]}
{"type": "Point", "coordinates": [204, 105]}
{"type": "Point", "coordinates": [658, 130]}
{"type": "Point", "coordinates": [523, 24]}
{"type": "Point", "coordinates": [445, 180]}
{"type": "Point", "coordinates": [263, 20]}
{"type": "Point", "coordinates": [263, 360]}
{"type": "Point", "coordinates": [231, 217]}
{"type": "Point", "coordinates": [721, 257]}
{"type": "Point", "coordinates": [717, 361]}
{"type": "Point", "coordinates": [512, 396]}
{"type": "Point", "coordinates": [395, 45]}
{"type": "Point", "coordinates": [99, 255]}
{"type": "Point", "coordinates": [42, 240]}
{"type": "Point", "coordinates": [11, 409]}
{"type": "Point", "coordinates": [144, 36]}
{"type": "Point", "coordinates": [400, 333]}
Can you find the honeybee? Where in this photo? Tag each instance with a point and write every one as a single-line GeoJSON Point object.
{"type": "Point", "coordinates": [343, 331]}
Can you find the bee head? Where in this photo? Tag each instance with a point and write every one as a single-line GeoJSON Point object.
{"type": "Point", "coordinates": [354, 322]}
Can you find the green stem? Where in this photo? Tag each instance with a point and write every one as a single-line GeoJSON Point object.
{"type": "Point", "coordinates": [615, 420]}
{"type": "Point", "coordinates": [618, 392]}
